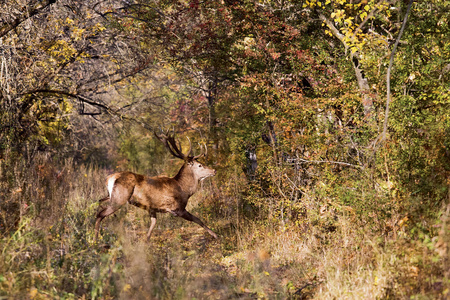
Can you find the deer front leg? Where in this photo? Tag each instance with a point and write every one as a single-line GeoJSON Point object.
{"type": "Point", "coordinates": [152, 224]}
{"type": "Point", "coordinates": [188, 216]}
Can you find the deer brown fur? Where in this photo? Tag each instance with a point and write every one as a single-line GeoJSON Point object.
{"type": "Point", "coordinates": [157, 194]}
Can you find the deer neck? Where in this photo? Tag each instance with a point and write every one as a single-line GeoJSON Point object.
{"type": "Point", "coordinates": [187, 180]}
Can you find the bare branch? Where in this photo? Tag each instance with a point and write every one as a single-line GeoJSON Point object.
{"type": "Point", "coordinates": [32, 9]}
{"type": "Point", "coordinates": [388, 75]}
{"type": "Point", "coordinates": [333, 29]}
{"type": "Point", "coordinates": [331, 162]}
{"type": "Point", "coordinates": [67, 94]}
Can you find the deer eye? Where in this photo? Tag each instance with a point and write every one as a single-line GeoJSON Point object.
{"type": "Point", "coordinates": [200, 166]}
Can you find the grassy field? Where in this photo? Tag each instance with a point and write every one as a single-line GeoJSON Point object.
{"type": "Point", "coordinates": [48, 251]}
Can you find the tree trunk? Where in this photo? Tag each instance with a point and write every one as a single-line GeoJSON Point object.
{"type": "Point", "coordinates": [363, 85]}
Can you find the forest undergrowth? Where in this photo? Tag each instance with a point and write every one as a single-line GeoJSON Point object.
{"type": "Point", "coordinates": [48, 251]}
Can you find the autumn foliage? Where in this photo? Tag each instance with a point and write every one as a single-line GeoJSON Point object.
{"type": "Point", "coordinates": [327, 122]}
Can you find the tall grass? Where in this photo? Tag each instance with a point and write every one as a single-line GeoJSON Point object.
{"type": "Point", "coordinates": [46, 239]}
{"type": "Point", "coordinates": [47, 248]}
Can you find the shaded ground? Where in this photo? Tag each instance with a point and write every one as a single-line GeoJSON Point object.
{"type": "Point", "coordinates": [184, 262]}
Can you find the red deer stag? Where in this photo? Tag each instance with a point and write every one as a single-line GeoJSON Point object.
{"type": "Point", "coordinates": [158, 194]}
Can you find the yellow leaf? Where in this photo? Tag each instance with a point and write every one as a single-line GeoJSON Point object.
{"type": "Point", "coordinates": [403, 221]}
{"type": "Point", "coordinates": [126, 287]}
{"type": "Point", "coordinates": [33, 293]}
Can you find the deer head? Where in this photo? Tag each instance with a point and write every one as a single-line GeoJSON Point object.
{"type": "Point", "coordinates": [199, 170]}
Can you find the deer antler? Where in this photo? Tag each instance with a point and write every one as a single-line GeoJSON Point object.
{"type": "Point", "coordinates": [171, 144]}
{"type": "Point", "coordinates": [202, 154]}
{"type": "Point", "coordinates": [190, 148]}
{"type": "Point", "coordinates": [175, 147]}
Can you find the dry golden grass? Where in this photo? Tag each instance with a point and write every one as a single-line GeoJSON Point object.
{"type": "Point", "coordinates": [50, 254]}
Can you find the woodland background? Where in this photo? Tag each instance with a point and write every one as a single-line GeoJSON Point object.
{"type": "Point", "coordinates": [328, 123]}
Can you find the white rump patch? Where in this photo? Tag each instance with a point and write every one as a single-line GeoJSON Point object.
{"type": "Point", "coordinates": [111, 181]}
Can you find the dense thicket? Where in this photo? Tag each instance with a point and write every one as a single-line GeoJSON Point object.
{"type": "Point", "coordinates": [327, 121]}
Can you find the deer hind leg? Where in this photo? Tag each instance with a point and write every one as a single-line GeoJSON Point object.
{"type": "Point", "coordinates": [119, 196]}
{"type": "Point", "coordinates": [100, 216]}
{"type": "Point", "coordinates": [188, 216]}
{"type": "Point", "coordinates": [107, 198]}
